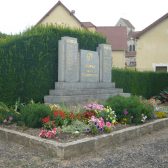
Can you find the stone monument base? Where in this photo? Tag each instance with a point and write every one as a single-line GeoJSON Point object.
{"type": "Point", "coordinates": [76, 92]}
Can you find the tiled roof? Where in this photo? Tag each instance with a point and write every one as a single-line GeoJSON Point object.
{"type": "Point", "coordinates": [152, 25]}
{"type": "Point", "coordinates": [57, 4]}
{"type": "Point", "coordinates": [132, 34]}
{"type": "Point", "coordinates": [116, 36]}
{"type": "Point", "coordinates": [128, 23]}
{"type": "Point", "coordinates": [88, 24]}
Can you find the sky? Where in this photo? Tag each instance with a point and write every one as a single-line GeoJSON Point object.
{"type": "Point", "coordinates": [18, 15]}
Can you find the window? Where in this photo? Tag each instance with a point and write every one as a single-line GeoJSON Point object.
{"type": "Point", "coordinates": [130, 48]}
{"type": "Point", "coordinates": [161, 68]}
{"type": "Point", "coordinates": [133, 47]}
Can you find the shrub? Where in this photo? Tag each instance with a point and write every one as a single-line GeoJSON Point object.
{"type": "Point", "coordinates": [130, 109]}
{"type": "Point", "coordinates": [32, 114]}
{"type": "Point", "coordinates": [146, 84]}
{"type": "Point", "coordinates": [163, 96]}
{"type": "Point", "coordinates": [7, 115]}
{"type": "Point", "coordinates": [29, 61]}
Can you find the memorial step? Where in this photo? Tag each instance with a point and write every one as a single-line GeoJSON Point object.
{"type": "Point", "coordinates": [66, 92]}
{"type": "Point", "coordinates": [77, 98]}
{"type": "Point", "coordinates": [83, 85]}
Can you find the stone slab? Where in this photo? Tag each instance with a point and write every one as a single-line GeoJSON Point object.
{"type": "Point", "coordinates": [63, 92]}
{"type": "Point", "coordinates": [89, 66]}
{"type": "Point", "coordinates": [105, 54]}
{"type": "Point", "coordinates": [83, 85]}
{"type": "Point", "coordinates": [68, 60]}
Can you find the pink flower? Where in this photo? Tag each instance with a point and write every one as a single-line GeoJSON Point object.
{"type": "Point", "coordinates": [10, 118]}
{"type": "Point", "coordinates": [48, 134]}
{"type": "Point", "coordinates": [94, 106]}
{"type": "Point", "coordinates": [125, 112]}
{"type": "Point", "coordinates": [93, 119]}
{"type": "Point", "coordinates": [101, 122]}
{"type": "Point", "coordinates": [43, 133]}
{"type": "Point", "coordinates": [54, 131]}
{"type": "Point", "coordinates": [108, 124]}
{"type": "Point", "coordinates": [5, 121]}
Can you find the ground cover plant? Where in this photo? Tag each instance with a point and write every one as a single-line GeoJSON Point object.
{"type": "Point", "coordinates": [59, 121]}
{"type": "Point", "coordinates": [163, 96]}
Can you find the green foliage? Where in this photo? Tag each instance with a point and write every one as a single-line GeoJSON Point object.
{"type": "Point", "coordinates": [32, 114]}
{"type": "Point", "coordinates": [76, 125]}
{"type": "Point", "coordinates": [7, 115]}
{"type": "Point", "coordinates": [130, 109]}
{"type": "Point", "coordinates": [29, 61]}
{"type": "Point", "coordinates": [163, 96]}
{"type": "Point", "coordinates": [3, 35]}
{"type": "Point", "coordinates": [146, 84]}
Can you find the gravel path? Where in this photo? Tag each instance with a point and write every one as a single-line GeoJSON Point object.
{"type": "Point", "coordinates": [150, 151]}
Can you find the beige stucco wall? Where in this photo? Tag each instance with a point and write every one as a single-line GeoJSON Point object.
{"type": "Point", "coordinates": [60, 16]}
{"type": "Point", "coordinates": [152, 48]}
{"type": "Point", "coordinates": [118, 59]}
{"type": "Point", "coordinates": [93, 29]}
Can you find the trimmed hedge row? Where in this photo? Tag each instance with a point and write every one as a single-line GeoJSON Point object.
{"type": "Point", "coordinates": [29, 61]}
{"type": "Point", "coordinates": [146, 84]}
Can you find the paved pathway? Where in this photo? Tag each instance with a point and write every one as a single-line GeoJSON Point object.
{"type": "Point", "coordinates": [150, 151]}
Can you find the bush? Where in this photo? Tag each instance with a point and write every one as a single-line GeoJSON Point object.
{"type": "Point", "coordinates": [130, 109]}
{"type": "Point", "coordinates": [29, 61]}
{"type": "Point", "coordinates": [7, 115]}
{"type": "Point", "coordinates": [32, 114]}
{"type": "Point", "coordinates": [146, 84]}
{"type": "Point", "coordinates": [163, 96]}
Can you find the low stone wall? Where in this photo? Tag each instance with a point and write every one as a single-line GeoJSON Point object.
{"type": "Point", "coordinates": [83, 146]}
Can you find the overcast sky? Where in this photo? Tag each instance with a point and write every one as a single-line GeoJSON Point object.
{"type": "Point", "coordinates": [17, 15]}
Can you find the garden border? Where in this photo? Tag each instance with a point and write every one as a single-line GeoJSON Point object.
{"type": "Point", "coordinates": [83, 146]}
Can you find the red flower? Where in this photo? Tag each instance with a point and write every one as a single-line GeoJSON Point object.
{"type": "Point", "coordinates": [59, 113]}
{"type": "Point", "coordinates": [71, 115]}
{"type": "Point", "coordinates": [88, 114]}
{"type": "Point", "coordinates": [79, 116]}
{"type": "Point", "coordinates": [46, 119]}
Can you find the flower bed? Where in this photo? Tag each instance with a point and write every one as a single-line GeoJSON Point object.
{"type": "Point", "coordinates": [69, 123]}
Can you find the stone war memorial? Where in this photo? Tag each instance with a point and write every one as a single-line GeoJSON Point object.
{"type": "Point", "coordinates": [83, 75]}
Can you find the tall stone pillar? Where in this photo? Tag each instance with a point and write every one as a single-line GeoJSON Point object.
{"type": "Point", "coordinates": [68, 60]}
{"type": "Point", "coordinates": [105, 55]}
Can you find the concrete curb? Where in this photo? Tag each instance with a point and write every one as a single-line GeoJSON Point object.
{"type": "Point", "coordinates": [82, 146]}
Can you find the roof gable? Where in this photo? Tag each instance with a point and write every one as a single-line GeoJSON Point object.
{"type": "Point", "coordinates": [127, 22]}
{"type": "Point", "coordinates": [151, 26]}
{"type": "Point", "coordinates": [88, 24]}
{"type": "Point", "coordinates": [116, 36]}
{"type": "Point", "coordinates": [59, 3]}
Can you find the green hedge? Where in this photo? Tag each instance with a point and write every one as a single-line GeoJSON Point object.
{"type": "Point", "coordinates": [146, 84]}
{"type": "Point", "coordinates": [29, 61]}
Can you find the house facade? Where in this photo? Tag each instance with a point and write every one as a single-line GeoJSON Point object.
{"type": "Point", "coordinates": [130, 54]}
{"type": "Point", "coordinates": [117, 38]}
{"type": "Point", "coordinates": [60, 15]}
{"type": "Point", "coordinates": [152, 46]}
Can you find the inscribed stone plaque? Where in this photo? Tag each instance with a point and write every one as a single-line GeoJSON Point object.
{"type": "Point", "coordinates": [68, 63]}
{"type": "Point", "coordinates": [89, 66]}
{"type": "Point", "coordinates": [105, 54]}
